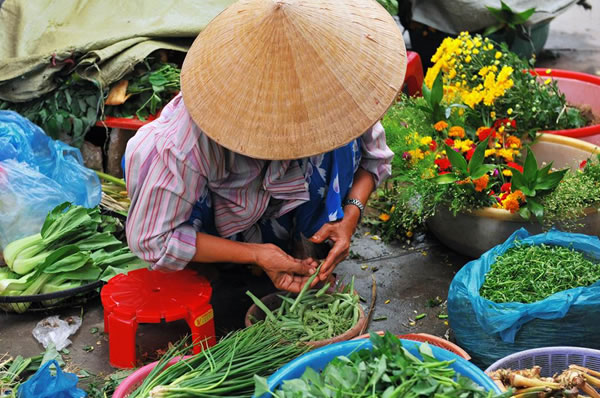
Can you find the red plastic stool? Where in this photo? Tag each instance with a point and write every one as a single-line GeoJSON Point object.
{"type": "Point", "coordinates": [145, 296]}
{"type": "Point", "coordinates": [413, 80]}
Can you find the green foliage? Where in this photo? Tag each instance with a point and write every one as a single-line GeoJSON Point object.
{"type": "Point", "coordinates": [390, 5]}
{"type": "Point", "coordinates": [509, 20]}
{"type": "Point", "coordinates": [534, 183]}
{"type": "Point", "coordinates": [71, 110]}
{"type": "Point", "coordinates": [387, 370]}
{"type": "Point", "coordinates": [433, 98]}
{"type": "Point", "coordinates": [530, 273]}
{"type": "Point", "coordinates": [153, 84]}
{"type": "Point", "coordinates": [566, 205]}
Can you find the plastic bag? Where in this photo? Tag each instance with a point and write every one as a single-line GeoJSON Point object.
{"type": "Point", "coordinates": [35, 172]}
{"type": "Point", "coordinates": [44, 385]}
{"type": "Point", "coordinates": [489, 331]}
{"type": "Point", "coordinates": [55, 331]}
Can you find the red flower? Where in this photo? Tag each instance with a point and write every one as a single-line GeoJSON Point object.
{"type": "Point", "coordinates": [470, 153]}
{"type": "Point", "coordinates": [432, 146]}
{"type": "Point", "coordinates": [515, 166]}
{"type": "Point", "coordinates": [443, 172]}
{"type": "Point", "coordinates": [582, 164]}
{"type": "Point", "coordinates": [484, 133]}
{"type": "Point", "coordinates": [505, 187]}
{"type": "Point", "coordinates": [443, 164]}
{"type": "Point", "coordinates": [505, 122]}
{"type": "Point", "coordinates": [449, 142]}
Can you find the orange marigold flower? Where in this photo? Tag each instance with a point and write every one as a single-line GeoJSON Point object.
{"type": "Point", "coordinates": [511, 205]}
{"type": "Point", "coordinates": [384, 217]}
{"type": "Point", "coordinates": [456, 131]}
{"type": "Point", "coordinates": [519, 195]}
{"type": "Point", "coordinates": [481, 183]}
{"type": "Point", "coordinates": [513, 142]}
{"type": "Point", "coordinates": [439, 126]}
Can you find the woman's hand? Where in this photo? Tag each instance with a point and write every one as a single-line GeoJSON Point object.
{"type": "Point", "coordinates": [286, 272]}
{"type": "Point", "coordinates": [340, 232]}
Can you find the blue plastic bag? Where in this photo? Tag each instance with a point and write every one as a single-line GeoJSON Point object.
{"type": "Point", "coordinates": [38, 173]}
{"type": "Point", "coordinates": [44, 385]}
{"type": "Point", "coordinates": [489, 331]}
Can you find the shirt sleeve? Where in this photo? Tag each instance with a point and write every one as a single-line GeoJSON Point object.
{"type": "Point", "coordinates": [376, 155]}
{"type": "Point", "coordinates": [163, 184]}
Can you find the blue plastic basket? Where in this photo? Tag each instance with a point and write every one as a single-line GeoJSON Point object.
{"type": "Point", "coordinates": [552, 360]}
{"type": "Point", "coordinates": [319, 358]}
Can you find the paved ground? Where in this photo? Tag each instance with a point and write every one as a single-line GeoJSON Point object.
{"type": "Point", "coordinates": [408, 277]}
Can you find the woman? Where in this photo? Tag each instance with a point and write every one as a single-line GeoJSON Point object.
{"type": "Point", "coordinates": [275, 137]}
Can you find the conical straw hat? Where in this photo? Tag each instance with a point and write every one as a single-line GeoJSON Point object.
{"type": "Point", "coordinates": [286, 79]}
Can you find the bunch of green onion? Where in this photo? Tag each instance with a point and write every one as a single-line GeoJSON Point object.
{"type": "Point", "coordinates": [225, 370]}
{"type": "Point", "coordinates": [314, 314]}
{"type": "Point", "coordinates": [76, 245]}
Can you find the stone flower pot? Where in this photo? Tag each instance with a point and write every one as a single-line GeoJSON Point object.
{"type": "Point", "coordinates": [474, 233]}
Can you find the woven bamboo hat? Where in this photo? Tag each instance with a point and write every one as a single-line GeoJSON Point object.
{"type": "Point", "coordinates": [286, 79]}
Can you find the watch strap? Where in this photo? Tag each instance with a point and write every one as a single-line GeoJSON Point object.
{"type": "Point", "coordinates": [356, 203]}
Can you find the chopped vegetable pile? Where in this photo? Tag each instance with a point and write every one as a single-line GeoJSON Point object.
{"type": "Point", "coordinates": [576, 381]}
{"type": "Point", "coordinates": [314, 314]}
{"type": "Point", "coordinates": [388, 370]}
{"type": "Point", "coordinates": [75, 246]}
{"type": "Point", "coordinates": [224, 370]}
{"type": "Point", "coordinates": [529, 273]}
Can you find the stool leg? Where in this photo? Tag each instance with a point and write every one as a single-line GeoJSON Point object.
{"type": "Point", "coordinates": [202, 326]}
{"type": "Point", "coordinates": [106, 314]}
{"type": "Point", "coordinates": [121, 341]}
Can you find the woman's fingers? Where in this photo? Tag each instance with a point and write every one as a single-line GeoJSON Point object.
{"type": "Point", "coordinates": [323, 233]}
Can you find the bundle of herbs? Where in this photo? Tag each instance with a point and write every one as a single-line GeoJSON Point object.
{"type": "Point", "coordinates": [387, 370]}
{"type": "Point", "coordinates": [76, 245]}
{"type": "Point", "coordinates": [114, 194]}
{"type": "Point", "coordinates": [530, 273]}
{"type": "Point", "coordinates": [313, 315]}
{"type": "Point", "coordinates": [224, 370]}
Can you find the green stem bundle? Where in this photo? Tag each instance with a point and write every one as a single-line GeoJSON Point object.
{"type": "Point", "coordinates": [530, 273]}
{"type": "Point", "coordinates": [224, 370]}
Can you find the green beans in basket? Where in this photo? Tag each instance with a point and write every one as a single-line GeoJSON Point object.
{"type": "Point", "coordinates": [314, 314]}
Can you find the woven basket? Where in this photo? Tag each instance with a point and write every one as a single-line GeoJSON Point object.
{"type": "Point", "coordinates": [552, 360]}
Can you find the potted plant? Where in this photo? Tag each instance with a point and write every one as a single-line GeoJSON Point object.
{"type": "Point", "coordinates": [524, 25]}
{"type": "Point", "coordinates": [466, 151]}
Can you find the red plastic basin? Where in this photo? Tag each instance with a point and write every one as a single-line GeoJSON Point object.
{"type": "Point", "coordinates": [579, 89]}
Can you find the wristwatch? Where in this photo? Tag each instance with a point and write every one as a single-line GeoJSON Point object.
{"type": "Point", "coordinates": [356, 203]}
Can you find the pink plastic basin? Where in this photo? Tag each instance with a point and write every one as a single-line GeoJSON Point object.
{"type": "Point", "coordinates": [136, 379]}
{"type": "Point", "coordinates": [579, 89]}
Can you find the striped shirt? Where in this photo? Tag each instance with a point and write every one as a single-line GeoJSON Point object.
{"type": "Point", "coordinates": [171, 164]}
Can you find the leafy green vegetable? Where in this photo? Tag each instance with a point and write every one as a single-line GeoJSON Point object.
{"type": "Point", "coordinates": [529, 273]}
{"type": "Point", "coordinates": [387, 370]}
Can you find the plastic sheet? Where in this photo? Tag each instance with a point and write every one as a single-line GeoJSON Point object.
{"type": "Point", "coordinates": [45, 385]}
{"type": "Point", "coordinates": [36, 174]}
{"type": "Point", "coordinates": [489, 331]}
{"type": "Point", "coordinates": [56, 331]}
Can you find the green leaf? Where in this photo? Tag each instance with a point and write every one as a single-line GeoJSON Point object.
{"type": "Point", "coordinates": [530, 169]}
{"type": "Point", "coordinates": [426, 93]}
{"type": "Point", "coordinates": [522, 17]}
{"type": "Point", "coordinates": [518, 181]}
{"type": "Point", "coordinates": [525, 213]}
{"type": "Point", "coordinates": [53, 215]}
{"type": "Point", "coordinates": [99, 241]}
{"type": "Point", "coordinates": [490, 30]}
{"type": "Point", "coordinates": [550, 181]}
{"type": "Point", "coordinates": [478, 156]}
{"type": "Point", "coordinates": [68, 263]}
{"type": "Point", "coordinates": [535, 208]}
{"type": "Point", "coordinates": [77, 127]}
{"type": "Point", "coordinates": [437, 90]}
{"type": "Point", "coordinates": [456, 159]}
{"type": "Point", "coordinates": [445, 178]}
{"type": "Point", "coordinates": [261, 386]}
{"type": "Point", "coordinates": [481, 170]}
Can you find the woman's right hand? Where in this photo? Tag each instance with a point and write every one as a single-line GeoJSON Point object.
{"type": "Point", "coordinates": [286, 272]}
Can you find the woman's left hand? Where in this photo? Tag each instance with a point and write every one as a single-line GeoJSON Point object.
{"type": "Point", "coordinates": [340, 232]}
